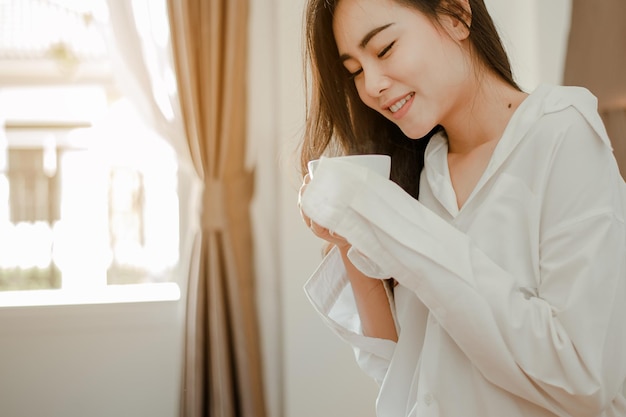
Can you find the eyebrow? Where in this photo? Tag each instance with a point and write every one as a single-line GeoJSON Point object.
{"type": "Point", "coordinates": [368, 37]}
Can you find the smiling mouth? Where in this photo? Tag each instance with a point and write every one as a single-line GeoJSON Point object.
{"type": "Point", "coordinates": [400, 103]}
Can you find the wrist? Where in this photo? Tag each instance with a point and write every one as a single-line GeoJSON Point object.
{"type": "Point", "coordinates": [343, 248]}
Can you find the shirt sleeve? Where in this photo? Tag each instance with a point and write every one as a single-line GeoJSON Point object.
{"type": "Point", "coordinates": [561, 348]}
{"type": "Point", "coordinates": [330, 293]}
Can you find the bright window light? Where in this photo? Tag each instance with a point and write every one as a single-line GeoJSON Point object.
{"type": "Point", "coordinates": [89, 207]}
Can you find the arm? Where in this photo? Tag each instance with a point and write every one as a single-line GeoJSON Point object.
{"type": "Point", "coordinates": [371, 301]}
{"type": "Point", "coordinates": [331, 294]}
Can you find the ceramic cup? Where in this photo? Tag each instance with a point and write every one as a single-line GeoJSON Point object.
{"type": "Point", "coordinates": [378, 163]}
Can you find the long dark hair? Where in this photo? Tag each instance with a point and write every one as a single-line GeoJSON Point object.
{"type": "Point", "coordinates": [338, 122]}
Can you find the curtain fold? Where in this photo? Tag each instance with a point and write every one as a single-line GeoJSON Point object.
{"type": "Point", "coordinates": [222, 365]}
{"type": "Point", "coordinates": [141, 67]}
{"type": "Point", "coordinates": [596, 59]}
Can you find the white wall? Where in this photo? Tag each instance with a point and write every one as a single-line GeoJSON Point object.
{"type": "Point", "coordinates": [534, 33]}
{"type": "Point", "coordinates": [90, 360]}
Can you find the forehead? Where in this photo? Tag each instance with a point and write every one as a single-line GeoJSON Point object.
{"type": "Point", "coordinates": [354, 19]}
{"type": "Point", "coordinates": [355, 15]}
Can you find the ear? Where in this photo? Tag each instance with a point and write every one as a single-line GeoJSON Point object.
{"type": "Point", "coordinates": [459, 29]}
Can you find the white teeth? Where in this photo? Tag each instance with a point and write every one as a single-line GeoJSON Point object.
{"type": "Point", "coordinates": [397, 106]}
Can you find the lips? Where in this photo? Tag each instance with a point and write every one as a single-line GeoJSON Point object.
{"type": "Point", "coordinates": [400, 103]}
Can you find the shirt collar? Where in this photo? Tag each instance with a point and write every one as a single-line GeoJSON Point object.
{"type": "Point", "coordinates": [544, 99]}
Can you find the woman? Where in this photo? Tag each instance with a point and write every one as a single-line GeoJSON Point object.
{"type": "Point", "coordinates": [507, 292]}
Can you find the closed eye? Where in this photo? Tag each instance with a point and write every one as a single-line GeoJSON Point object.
{"type": "Point", "coordinates": [381, 54]}
{"type": "Point", "coordinates": [354, 74]}
{"type": "Point", "coordinates": [386, 50]}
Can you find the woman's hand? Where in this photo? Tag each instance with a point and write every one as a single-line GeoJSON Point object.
{"type": "Point", "coordinates": [318, 230]}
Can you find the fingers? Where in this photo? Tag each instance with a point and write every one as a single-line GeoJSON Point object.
{"type": "Point", "coordinates": [328, 235]}
{"type": "Point", "coordinates": [305, 181]}
{"type": "Point", "coordinates": [306, 219]}
{"type": "Point", "coordinates": [318, 230]}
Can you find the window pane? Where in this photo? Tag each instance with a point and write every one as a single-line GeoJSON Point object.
{"type": "Point", "coordinates": [88, 192]}
{"type": "Point", "coordinates": [86, 207]}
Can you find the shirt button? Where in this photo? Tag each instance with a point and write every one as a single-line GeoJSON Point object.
{"type": "Point", "coordinates": [428, 398]}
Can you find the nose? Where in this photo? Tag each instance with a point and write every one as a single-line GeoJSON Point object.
{"type": "Point", "coordinates": [376, 82]}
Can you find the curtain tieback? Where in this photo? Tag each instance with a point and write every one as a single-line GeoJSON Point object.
{"type": "Point", "coordinates": [224, 198]}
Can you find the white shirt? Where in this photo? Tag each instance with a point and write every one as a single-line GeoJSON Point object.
{"type": "Point", "coordinates": [514, 305]}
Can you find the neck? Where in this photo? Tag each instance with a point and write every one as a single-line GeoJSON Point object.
{"type": "Point", "coordinates": [482, 115]}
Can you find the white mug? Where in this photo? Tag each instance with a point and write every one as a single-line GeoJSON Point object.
{"type": "Point", "coordinates": [380, 164]}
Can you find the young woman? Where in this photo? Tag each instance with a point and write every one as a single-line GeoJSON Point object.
{"type": "Point", "coordinates": [488, 276]}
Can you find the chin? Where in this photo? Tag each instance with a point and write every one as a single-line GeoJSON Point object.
{"type": "Point", "coordinates": [417, 133]}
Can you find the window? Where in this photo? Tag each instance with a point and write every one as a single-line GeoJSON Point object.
{"type": "Point", "coordinates": [88, 192]}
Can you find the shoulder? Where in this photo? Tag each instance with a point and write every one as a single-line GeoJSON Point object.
{"type": "Point", "coordinates": [567, 113]}
{"type": "Point", "coordinates": [560, 133]}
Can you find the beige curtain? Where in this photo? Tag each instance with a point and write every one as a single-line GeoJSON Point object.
{"type": "Point", "coordinates": [222, 369]}
{"type": "Point", "coordinates": [596, 59]}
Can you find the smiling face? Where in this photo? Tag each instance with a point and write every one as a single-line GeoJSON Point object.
{"type": "Point", "coordinates": [405, 66]}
